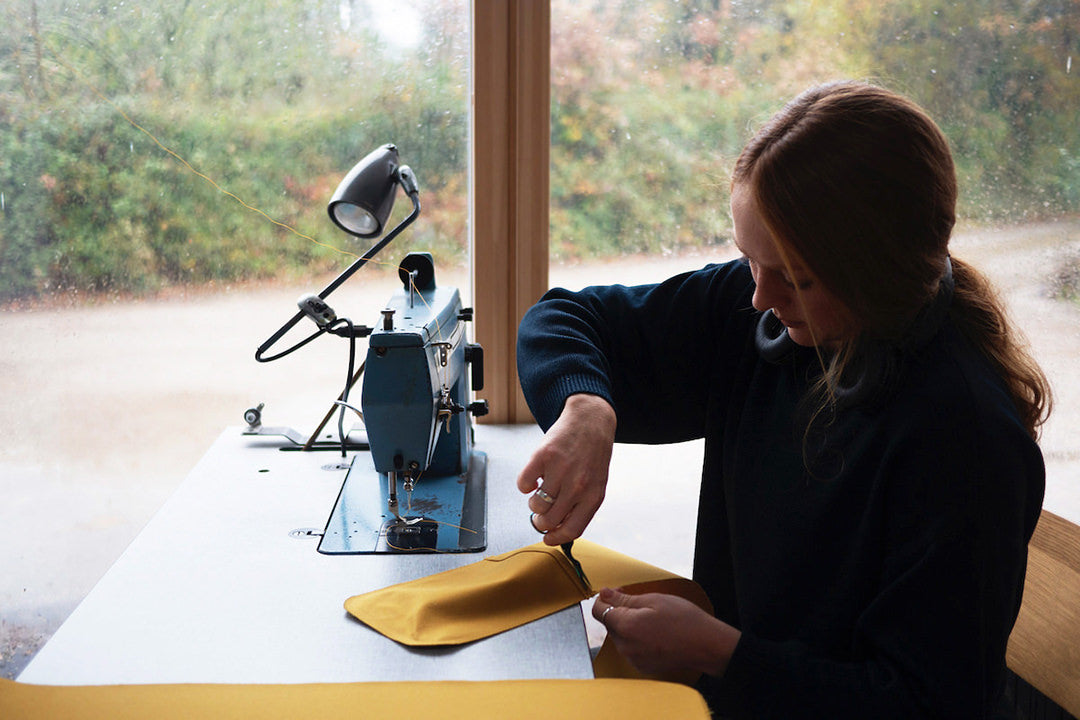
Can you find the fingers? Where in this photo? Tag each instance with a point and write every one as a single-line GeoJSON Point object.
{"type": "Point", "coordinates": [571, 527]}
{"type": "Point", "coordinates": [565, 494]}
{"type": "Point", "coordinates": [545, 514]}
{"type": "Point", "coordinates": [567, 474]}
{"type": "Point", "coordinates": [549, 520]}
{"type": "Point", "coordinates": [529, 477]}
{"type": "Point", "coordinates": [563, 517]}
{"type": "Point", "coordinates": [665, 635]}
{"type": "Point", "coordinates": [541, 501]}
{"type": "Point", "coordinates": [608, 604]}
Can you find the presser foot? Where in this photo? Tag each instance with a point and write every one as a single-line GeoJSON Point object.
{"type": "Point", "coordinates": [411, 533]}
{"type": "Point", "coordinates": [445, 514]}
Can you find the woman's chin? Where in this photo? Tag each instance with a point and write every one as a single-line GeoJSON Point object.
{"type": "Point", "coordinates": [800, 333]}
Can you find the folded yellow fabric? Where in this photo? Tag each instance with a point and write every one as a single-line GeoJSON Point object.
{"type": "Point", "coordinates": [576, 699]}
{"type": "Point", "coordinates": [456, 606]}
{"type": "Point", "coordinates": [504, 591]}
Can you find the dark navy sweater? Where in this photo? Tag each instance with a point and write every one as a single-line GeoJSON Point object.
{"type": "Point", "coordinates": [874, 561]}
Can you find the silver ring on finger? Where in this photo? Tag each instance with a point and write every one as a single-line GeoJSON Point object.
{"type": "Point", "coordinates": [545, 496]}
{"type": "Point", "coordinates": [603, 615]}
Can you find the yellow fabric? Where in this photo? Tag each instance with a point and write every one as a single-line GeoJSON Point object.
{"type": "Point", "coordinates": [457, 606]}
{"type": "Point", "coordinates": [541, 699]}
{"type": "Point", "coordinates": [473, 601]}
{"type": "Point", "coordinates": [504, 591]}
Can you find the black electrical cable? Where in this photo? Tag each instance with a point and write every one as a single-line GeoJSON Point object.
{"type": "Point", "coordinates": [348, 382]}
{"type": "Point", "coordinates": [295, 347]}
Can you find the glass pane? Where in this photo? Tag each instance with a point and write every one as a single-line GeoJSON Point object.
{"type": "Point", "coordinates": [164, 174]}
{"type": "Point", "coordinates": [652, 101]}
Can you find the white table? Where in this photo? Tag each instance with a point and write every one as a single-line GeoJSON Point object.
{"type": "Point", "coordinates": [216, 589]}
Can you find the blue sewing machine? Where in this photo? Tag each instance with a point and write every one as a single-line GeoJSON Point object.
{"type": "Point", "coordinates": [416, 484]}
{"type": "Point", "coordinates": [422, 485]}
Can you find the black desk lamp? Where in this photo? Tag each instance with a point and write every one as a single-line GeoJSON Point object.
{"type": "Point", "coordinates": [360, 206]}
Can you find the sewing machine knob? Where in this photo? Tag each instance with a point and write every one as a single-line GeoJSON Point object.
{"type": "Point", "coordinates": [253, 416]}
{"type": "Point", "coordinates": [474, 355]}
{"type": "Point", "coordinates": [465, 315]}
{"type": "Point", "coordinates": [478, 408]}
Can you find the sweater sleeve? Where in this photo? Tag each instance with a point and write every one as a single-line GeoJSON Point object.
{"type": "Point", "coordinates": [649, 350]}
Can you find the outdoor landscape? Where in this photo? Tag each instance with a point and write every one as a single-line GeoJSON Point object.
{"type": "Point", "coordinates": [165, 167]}
{"type": "Point", "coordinates": [121, 124]}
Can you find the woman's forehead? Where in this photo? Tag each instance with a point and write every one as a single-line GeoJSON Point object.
{"type": "Point", "coordinates": [754, 239]}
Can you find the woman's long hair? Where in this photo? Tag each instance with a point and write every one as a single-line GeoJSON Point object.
{"type": "Point", "coordinates": [859, 183]}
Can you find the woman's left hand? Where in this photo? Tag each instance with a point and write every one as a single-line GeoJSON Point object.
{"type": "Point", "coordinates": [663, 634]}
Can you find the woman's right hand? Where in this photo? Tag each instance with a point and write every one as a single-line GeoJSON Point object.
{"type": "Point", "coordinates": [572, 464]}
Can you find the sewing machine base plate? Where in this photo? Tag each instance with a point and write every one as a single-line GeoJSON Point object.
{"type": "Point", "coordinates": [452, 511]}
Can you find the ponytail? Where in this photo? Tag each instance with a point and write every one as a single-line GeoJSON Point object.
{"type": "Point", "coordinates": [980, 316]}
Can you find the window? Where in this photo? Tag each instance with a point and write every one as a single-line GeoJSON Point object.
{"type": "Point", "coordinates": [145, 148]}
{"type": "Point", "coordinates": [109, 402]}
{"type": "Point", "coordinates": [652, 102]}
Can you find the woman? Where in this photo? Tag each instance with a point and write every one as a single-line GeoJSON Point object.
{"type": "Point", "coordinates": [871, 473]}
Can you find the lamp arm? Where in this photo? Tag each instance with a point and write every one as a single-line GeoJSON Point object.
{"type": "Point", "coordinates": [345, 275]}
{"type": "Point", "coordinates": [362, 260]}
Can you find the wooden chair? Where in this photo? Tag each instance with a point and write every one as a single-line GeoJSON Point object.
{"type": "Point", "coordinates": [1044, 648]}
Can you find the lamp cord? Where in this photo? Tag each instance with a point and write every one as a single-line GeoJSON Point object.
{"type": "Point", "coordinates": [297, 346]}
{"type": "Point", "coordinates": [348, 382]}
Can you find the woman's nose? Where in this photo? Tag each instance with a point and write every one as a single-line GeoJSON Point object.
{"type": "Point", "coordinates": [768, 293]}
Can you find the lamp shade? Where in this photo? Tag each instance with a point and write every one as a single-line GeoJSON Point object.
{"type": "Point", "coordinates": [363, 201]}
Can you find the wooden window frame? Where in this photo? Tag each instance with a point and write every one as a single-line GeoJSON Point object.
{"type": "Point", "coordinates": [509, 190]}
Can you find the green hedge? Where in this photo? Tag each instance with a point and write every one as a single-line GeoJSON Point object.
{"type": "Point", "coordinates": [275, 100]}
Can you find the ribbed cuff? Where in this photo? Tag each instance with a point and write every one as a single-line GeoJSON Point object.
{"type": "Point", "coordinates": [546, 409]}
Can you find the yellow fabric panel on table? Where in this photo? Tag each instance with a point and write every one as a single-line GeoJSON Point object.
{"type": "Point", "coordinates": [577, 699]}
{"type": "Point", "coordinates": [505, 591]}
{"type": "Point", "coordinates": [474, 601]}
